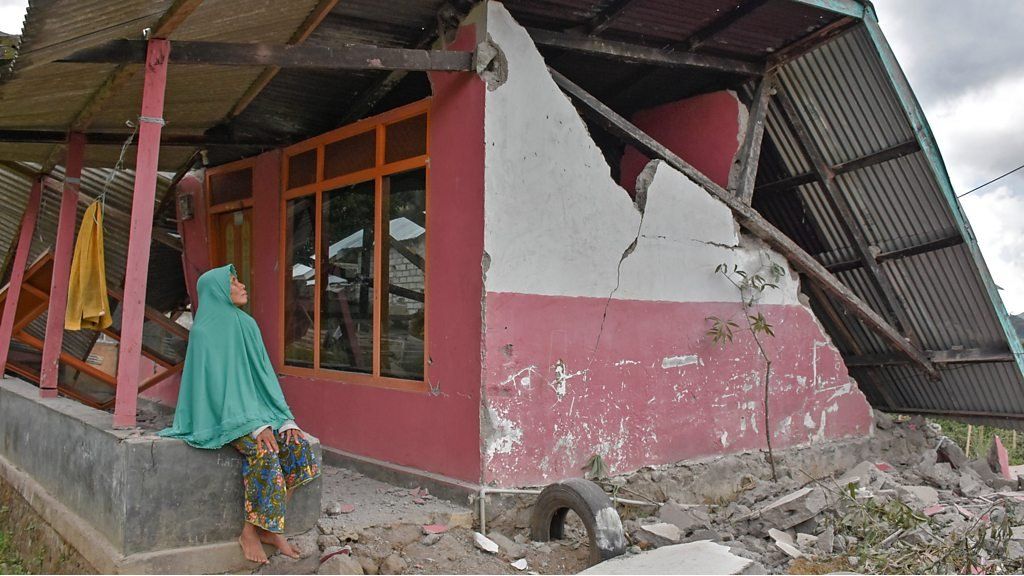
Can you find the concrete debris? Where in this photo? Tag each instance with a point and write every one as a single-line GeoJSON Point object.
{"type": "Point", "coordinates": [686, 518]}
{"type": "Point", "coordinates": [340, 564]}
{"type": "Point", "coordinates": [883, 421]}
{"type": "Point", "coordinates": [394, 564]}
{"type": "Point", "coordinates": [660, 534]}
{"type": "Point", "coordinates": [949, 451]}
{"type": "Point", "coordinates": [435, 529]}
{"type": "Point", "coordinates": [484, 543]}
{"type": "Point", "coordinates": [701, 557]}
{"type": "Point", "coordinates": [922, 496]}
{"type": "Point", "coordinates": [507, 546]}
{"type": "Point", "coordinates": [794, 508]}
{"type": "Point", "coordinates": [333, 509]}
{"type": "Point", "coordinates": [999, 458]}
{"type": "Point", "coordinates": [520, 564]}
{"type": "Point", "coordinates": [346, 508]}
{"type": "Point", "coordinates": [785, 543]}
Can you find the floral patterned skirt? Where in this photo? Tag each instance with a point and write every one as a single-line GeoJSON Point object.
{"type": "Point", "coordinates": [267, 477]}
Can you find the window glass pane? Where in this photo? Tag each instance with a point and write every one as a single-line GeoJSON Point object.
{"type": "Point", "coordinates": [406, 251]}
{"type": "Point", "coordinates": [406, 139]}
{"type": "Point", "coordinates": [300, 284]}
{"type": "Point", "coordinates": [230, 186]}
{"type": "Point", "coordinates": [302, 169]}
{"type": "Point", "coordinates": [350, 155]}
{"type": "Point", "coordinates": [346, 305]}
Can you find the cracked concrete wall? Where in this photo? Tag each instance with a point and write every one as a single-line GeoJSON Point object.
{"type": "Point", "coordinates": [596, 307]}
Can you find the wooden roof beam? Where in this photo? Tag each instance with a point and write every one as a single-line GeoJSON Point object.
{"type": "Point", "coordinates": [922, 248]}
{"type": "Point", "coordinates": [298, 57]}
{"type": "Point", "coordinates": [175, 15]}
{"type": "Point", "coordinates": [849, 219]}
{"type": "Point", "coordinates": [749, 219]}
{"type": "Point", "coordinates": [984, 355]}
{"type": "Point", "coordinates": [636, 53]}
{"type": "Point", "coordinates": [751, 152]}
{"type": "Point", "coordinates": [890, 153]}
{"type": "Point", "coordinates": [721, 24]}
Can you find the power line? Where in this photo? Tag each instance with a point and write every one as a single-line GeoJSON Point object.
{"type": "Point", "coordinates": [991, 181]}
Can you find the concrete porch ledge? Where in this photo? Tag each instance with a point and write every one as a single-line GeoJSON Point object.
{"type": "Point", "coordinates": [146, 496]}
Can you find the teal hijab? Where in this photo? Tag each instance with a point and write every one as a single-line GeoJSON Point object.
{"type": "Point", "coordinates": [228, 386]}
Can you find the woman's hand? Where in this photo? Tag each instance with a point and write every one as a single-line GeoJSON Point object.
{"type": "Point", "coordinates": [293, 435]}
{"type": "Point", "coordinates": [266, 441]}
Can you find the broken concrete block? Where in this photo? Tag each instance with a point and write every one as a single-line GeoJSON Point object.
{"type": "Point", "coordinates": [507, 545]}
{"type": "Point", "coordinates": [999, 459]}
{"type": "Point", "coordinates": [394, 564]}
{"type": "Point", "coordinates": [785, 543]}
{"type": "Point", "coordinates": [520, 564]}
{"type": "Point", "coordinates": [659, 534]}
{"type": "Point", "coordinates": [971, 484]}
{"type": "Point", "coordinates": [939, 474]}
{"type": "Point", "coordinates": [484, 543]}
{"type": "Point", "coordinates": [826, 541]}
{"type": "Point", "coordinates": [346, 508]}
{"type": "Point", "coordinates": [325, 541]}
{"type": "Point", "coordinates": [435, 529]}
{"type": "Point", "coordinates": [949, 451]}
{"type": "Point", "coordinates": [333, 509]}
{"type": "Point", "coordinates": [991, 478]}
{"type": "Point", "coordinates": [866, 474]}
{"type": "Point", "coordinates": [340, 564]}
{"type": "Point", "coordinates": [806, 540]}
{"type": "Point", "coordinates": [933, 510]}
{"type": "Point", "coordinates": [685, 517]}
{"type": "Point", "coordinates": [883, 421]}
{"type": "Point", "coordinates": [701, 557]}
{"type": "Point", "coordinates": [460, 519]}
{"type": "Point", "coordinates": [431, 539]}
{"type": "Point", "coordinates": [923, 496]}
{"type": "Point", "coordinates": [794, 508]}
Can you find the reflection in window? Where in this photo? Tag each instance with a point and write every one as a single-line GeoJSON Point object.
{"type": "Point", "coordinates": [300, 285]}
{"type": "Point", "coordinates": [405, 248]}
{"type": "Point", "coordinates": [346, 305]}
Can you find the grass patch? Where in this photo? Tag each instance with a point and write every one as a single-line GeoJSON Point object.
{"type": "Point", "coordinates": [981, 439]}
{"type": "Point", "coordinates": [10, 563]}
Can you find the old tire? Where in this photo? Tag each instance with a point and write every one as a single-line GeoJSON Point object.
{"type": "Point", "coordinates": [591, 504]}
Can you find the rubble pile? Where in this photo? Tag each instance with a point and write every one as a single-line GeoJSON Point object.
{"type": "Point", "coordinates": [927, 509]}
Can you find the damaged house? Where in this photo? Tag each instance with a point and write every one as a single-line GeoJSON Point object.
{"type": "Point", "coordinates": [486, 241]}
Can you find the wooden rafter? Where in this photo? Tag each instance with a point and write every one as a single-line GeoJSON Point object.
{"type": "Point", "coordinates": [312, 21]}
{"type": "Point", "coordinates": [299, 57]}
{"type": "Point", "coordinates": [749, 219]}
{"type": "Point", "coordinates": [16, 136]}
{"type": "Point", "coordinates": [913, 250]}
{"type": "Point", "coordinates": [636, 53]}
{"type": "Point", "coordinates": [721, 24]}
{"type": "Point", "coordinates": [605, 18]}
{"type": "Point", "coordinates": [751, 152]}
{"type": "Point", "coordinates": [168, 23]}
{"type": "Point", "coordinates": [890, 153]}
{"type": "Point", "coordinates": [954, 356]}
{"type": "Point", "coordinates": [849, 219]}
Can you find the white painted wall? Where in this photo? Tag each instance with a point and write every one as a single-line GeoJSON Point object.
{"type": "Point", "coordinates": [557, 224]}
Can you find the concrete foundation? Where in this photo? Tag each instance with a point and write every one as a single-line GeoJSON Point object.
{"type": "Point", "coordinates": [140, 494]}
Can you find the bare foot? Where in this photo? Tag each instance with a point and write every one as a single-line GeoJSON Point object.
{"type": "Point", "coordinates": [278, 541]}
{"type": "Point", "coordinates": [251, 546]}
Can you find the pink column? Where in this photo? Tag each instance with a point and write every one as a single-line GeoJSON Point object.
{"type": "Point", "coordinates": [141, 233]}
{"type": "Point", "coordinates": [63, 250]}
{"type": "Point", "coordinates": [28, 226]}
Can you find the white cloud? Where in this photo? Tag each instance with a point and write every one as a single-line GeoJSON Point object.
{"type": "Point", "coordinates": [962, 64]}
{"type": "Point", "coordinates": [12, 14]}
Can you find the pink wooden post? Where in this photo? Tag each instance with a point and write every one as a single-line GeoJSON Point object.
{"type": "Point", "coordinates": [62, 253]}
{"type": "Point", "coordinates": [28, 226]}
{"type": "Point", "coordinates": [141, 232]}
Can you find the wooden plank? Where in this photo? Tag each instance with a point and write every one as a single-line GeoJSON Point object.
{"type": "Point", "coordinates": [295, 57]}
{"type": "Point", "coordinates": [849, 219]}
{"type": "Point", "coordinates": [889, 153]}
{"type": "Point", "coordinates": [749, 219]}
{"type": "Point", "coordinates": [722, 23]}
{"type": "Point", "coordinates": [76, 363]}
{"type": "Point", "coordinates": [923, 247]}
{"type": "Point", "coordinates": [605, 18]}
{"type": "Point", "coordinates": [133, 303]}
{"type": "Point", "coordinates": [635, 53]}
{"type": "Point", "coordinates": [60, 278]}
{"type": "Point", "coordinates": [811, 41]}
{"type": "Point", "coordinates": [24, 243]}
{"type": "Point", "coordinates": [751, 153]}
{"type": "Point", "coordinates": [315, 17]}
{"type": "Point", "coordinates": [958, 356]}
{"type": "Point", "coordinates": [154, 316]}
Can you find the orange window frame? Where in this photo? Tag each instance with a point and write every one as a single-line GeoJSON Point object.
{"type": "Point", "coordinates": [376, 174]}
{"type": "Point", "coordinates": [215, 210]}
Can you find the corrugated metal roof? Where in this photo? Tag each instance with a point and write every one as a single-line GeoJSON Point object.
{"type": "Point", "coordinates": [846, 95]}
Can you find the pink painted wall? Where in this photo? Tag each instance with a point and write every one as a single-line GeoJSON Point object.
{"type": "Point", "coordinates": [702, 130]}
{"type": "Point", "coordinates": [623, 401]}
{"type": "Point", "coordinates": [437, 431]}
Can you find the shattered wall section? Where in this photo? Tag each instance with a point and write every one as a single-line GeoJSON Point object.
{"type": "Point", "coordinates": [596, 308]}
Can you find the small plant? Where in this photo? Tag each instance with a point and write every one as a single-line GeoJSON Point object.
{"type": "Point", "coordinates": [595, 468]}
{"type": "Point", "coordinates": [751, 288]}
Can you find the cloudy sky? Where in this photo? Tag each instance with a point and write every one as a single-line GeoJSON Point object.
{"type": "Point", "coordinates": [963, 60]}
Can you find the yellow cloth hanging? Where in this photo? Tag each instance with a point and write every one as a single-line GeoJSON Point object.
{"type": "Point", "coordinates": [88, 305]}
